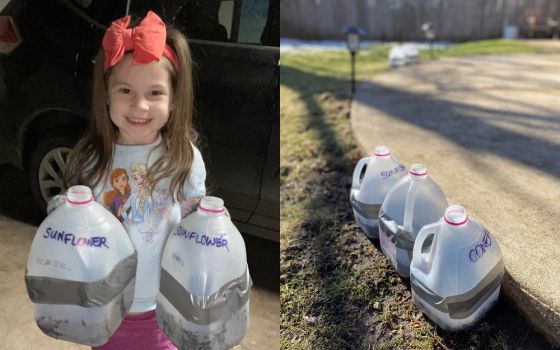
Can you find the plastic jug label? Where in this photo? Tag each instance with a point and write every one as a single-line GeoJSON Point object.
{"type": "Point", "coordinates": [51, 262]}
{"type": "Point", "coordinates": [478, 250]}
{"type": "Point", "coordinates": [385, 241]}
{"type": "Point", "coordinates": [388, 173]}
{"type": "Point", "coordinates": [204, 240]}
{"type": "Point", "coordinates": [69, 238]}
{"type": "Point", "coordinates": [176, 257]}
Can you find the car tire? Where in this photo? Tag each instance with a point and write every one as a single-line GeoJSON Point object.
{"type": "Point", "coordinates": [45, 167]}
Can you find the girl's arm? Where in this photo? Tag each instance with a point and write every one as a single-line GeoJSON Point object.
{"type": "Point", "coordinates": [195, 188]}
{"type": "Point", "coordinates": [189, 205]}
{"type": "Point", "coordinates": [55, 202]}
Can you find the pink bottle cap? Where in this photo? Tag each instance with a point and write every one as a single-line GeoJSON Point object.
{"type": "Point", "coordinates": [418, 170]}
{"type": "Point", "coordinates": [455, 215]}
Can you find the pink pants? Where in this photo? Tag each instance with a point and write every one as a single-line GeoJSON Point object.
{"type": "Point", "coordinates": [138, 332]}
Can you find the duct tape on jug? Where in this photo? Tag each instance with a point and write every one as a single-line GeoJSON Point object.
{"type": "Point", "coordinates": [81, 271]}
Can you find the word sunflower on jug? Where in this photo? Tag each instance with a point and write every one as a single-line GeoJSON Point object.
{"type": "Point", "coordinates": [205, 240]}
{"type": "Point", "coordinates": [72, 239]}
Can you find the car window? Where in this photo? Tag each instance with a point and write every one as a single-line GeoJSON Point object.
{"type": "Point", "coordinates": [252, 22]}
{"type": "Point", "coordinates": [98, 13]}
{"type": "Point", "coordinates": [244, 21]}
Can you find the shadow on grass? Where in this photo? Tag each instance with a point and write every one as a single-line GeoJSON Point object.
{"type": "Point", "coordinates": [456, 125]}
{"type": "Point", "coordinates": [330, 305]}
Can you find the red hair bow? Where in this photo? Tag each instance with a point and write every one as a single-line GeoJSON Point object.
{"type": "Point", "coordinates": [147, 40]}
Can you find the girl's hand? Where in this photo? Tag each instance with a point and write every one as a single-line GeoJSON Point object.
{"type": "Point", "coordinates": [55, 202]}
{"type": "Point", "coordinates": [189, 205]}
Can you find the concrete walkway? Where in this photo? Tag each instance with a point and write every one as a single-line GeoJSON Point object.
{"type": "Point", "coordinates": [488, 130]}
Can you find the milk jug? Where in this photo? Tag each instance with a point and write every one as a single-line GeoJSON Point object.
{"type": "Point", "coordinates": [456, 270]}
{"type": "Point", "coordinates": [414, 201]}
{"type": "Point", "coordinates": [203, 301]}
{"type": "Point", "coordinates": [81, 271]}
{"type": "Point", "coordinates": [381, 172]}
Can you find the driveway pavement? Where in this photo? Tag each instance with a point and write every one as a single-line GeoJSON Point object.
{"type": "Point", "coordinates": [18, 224]}
{"type": "Point", "coordinates": [488, 130]}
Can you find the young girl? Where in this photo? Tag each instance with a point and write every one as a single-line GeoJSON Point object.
{"type": "Point", "coordinates": [141, 114]}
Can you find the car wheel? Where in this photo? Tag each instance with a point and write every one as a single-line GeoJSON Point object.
{"type": "Point", "coordinates": [45, 168]}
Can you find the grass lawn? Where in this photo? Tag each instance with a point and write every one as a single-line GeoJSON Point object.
{"type": "Point", "coordinates": [337, 289]}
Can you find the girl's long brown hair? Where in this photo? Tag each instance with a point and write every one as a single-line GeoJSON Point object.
{"type": "Point", "coordinates": [89, 162]}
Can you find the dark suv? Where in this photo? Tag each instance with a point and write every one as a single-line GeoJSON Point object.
{"type": "Point", "coordinates": [46, 52]}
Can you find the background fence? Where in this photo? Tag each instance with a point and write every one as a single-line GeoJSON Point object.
{"type": "Point", "coordinates": [402, 19]}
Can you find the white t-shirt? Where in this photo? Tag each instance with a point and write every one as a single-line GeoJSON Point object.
{"type": "Point", "coordinates": [147, 219]}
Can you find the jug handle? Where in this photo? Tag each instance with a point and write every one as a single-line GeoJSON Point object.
{"type": "Point", "coordinates": [356, 181]}
{"type": "Point", "coordinates": [430, 230]}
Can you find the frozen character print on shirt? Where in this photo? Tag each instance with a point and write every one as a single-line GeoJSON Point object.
{"type": "Point", "coordinates": [138, 209]}
{"type": "Point", "coordinates": [115, 199]}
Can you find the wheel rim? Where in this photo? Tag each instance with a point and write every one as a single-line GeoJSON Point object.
{"type": "Point", "coordinates": [50, 172]}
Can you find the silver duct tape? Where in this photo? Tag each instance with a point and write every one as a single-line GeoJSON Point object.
{"type": "Point", "coordinates": [401, 238]}
{"type": "Point", "coordinates": [369, 211]}
{"type": "Point", "coordinates": [229, 299]}
{"type": "Point", "coordinates": [463, 305]}
{"type": "Point", "coordinates": [87, 329]}
{"type": "Point", "coordinates": [48, 290]}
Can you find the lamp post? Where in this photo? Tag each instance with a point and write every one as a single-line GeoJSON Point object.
{"type": "Point", "coordinates": [553, 25]}
{"type": "Point", "coordinates": [429, 29]}
{"type": "Point", "coordinates": [353, 35]}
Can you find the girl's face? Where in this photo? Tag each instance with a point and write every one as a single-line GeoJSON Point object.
{"type": "Point", "coordinates": [139, 100]}
{"type": "Point", "coordinates": [120, 182]}
{"type": "Point", "coordinates": [138, 178]}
